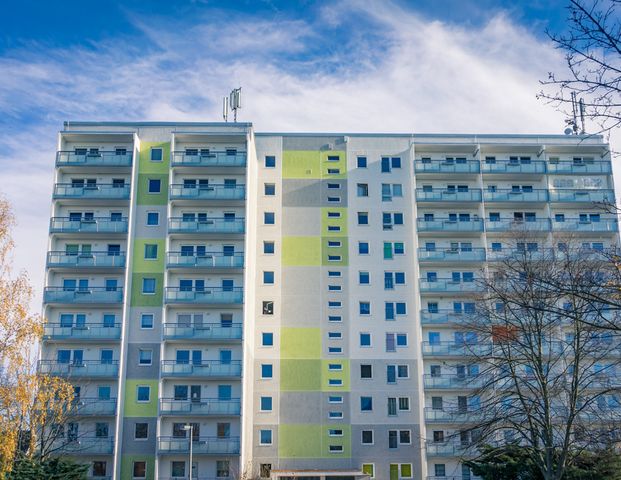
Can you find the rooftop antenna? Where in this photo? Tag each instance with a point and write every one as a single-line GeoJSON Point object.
{"type": "Point", "coordinates": [577, 110]}
{"type": "Point", "coordinates": [235, 101]}
{"type": "Point", "coordinates": [581, 105]}
{"type": "Point", "coordinates": [574, 107]}
{"type": "Point", "coordinates": [225, 108]}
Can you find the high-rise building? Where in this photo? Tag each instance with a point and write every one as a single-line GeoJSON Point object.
{"type": "Point", "coordinates": [286, 304]}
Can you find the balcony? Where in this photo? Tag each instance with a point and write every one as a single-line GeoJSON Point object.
{"type": "Point", "coordinates": [447, 285]}
{"type": "Point", "coordinates": [449, 225]}
{"type": "Point", "coordinates": [89, 331]}
{"type": "Point", "coordinates": [453, 415]}
{"type": "Point", "coordinates": [604, 225]}
{"type": "Point", "coordinates": [443, 166]}
{"type": "Point", "coordinates": [507, 225]}
{"type": "Point", "coordinates": [206, 368]}
{"type": "Point", "coordinates": [206, 260]}
{"type": "Point", "coordinates": [211, 225]}
{"type": "Point", "coordinates": [455, 382]}
{"type": "Point", "coordinates": [204, 406]}
{"type": "Point", "coordinates": [87, 446]}
{"type": "Point", "coordinates": [202, 445]}
{"type": "Point", "coordinates": [507, 253]}
{"type": "Point", "coordinates": [95, 407]}
{"type": "Point", "coordinates": [208, 295]}
{"type": "Point", "coordinates": [516, 196]}
{"type": "Point", "coordinates": [471, 195]}
{"type": "Point", "coordinates": [88, 295]}
{"type": "Point", "coordinates": [82, 369]}
{"type": "Point", "coordinates": [582, 196]}
{"type": "Point", "coordinates": [604, 168]}
{"type": "Point", "coordinates": [213, 331]}
{"type": "Point", "coordinates": [446, 449]}
{"type": "Point", "coordinates": [513, 168]}
{"type": "Point", "coordinates": [456, 349]}
{"type": "Point", "coordinates": [207, 192]}
{"type": "Point", "coordinates": [91, 260]}
{"type": "Point", "coordinates": [100, 159]}
{"type": "Point", "coordinates": [92, 225]}
{"type": "Point", "coordinates": [101, 191]}
{"type": "Point", "coordinates": [211, 159]}
{"type": "Point", "coordinates": [444, 317]}
{"type": "Point", "coordinates": [450, 255]}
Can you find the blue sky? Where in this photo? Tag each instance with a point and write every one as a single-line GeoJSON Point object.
{"type": "Point", "coordinates": [337, 65]}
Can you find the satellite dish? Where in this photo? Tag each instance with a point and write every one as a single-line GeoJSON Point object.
{"type": "Point", "coordinates": [568, 131]}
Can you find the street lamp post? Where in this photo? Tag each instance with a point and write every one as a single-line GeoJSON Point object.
{"type": "Point", "coordinates": [190, 428]}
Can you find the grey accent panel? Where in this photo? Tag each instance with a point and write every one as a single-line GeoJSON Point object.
{"type": "Point", "coordinates": [142, 230]}
{"type": "Point", "coordinates": [267, 451]}
{"type": "Point", "coordinates": [313, 143]}
{"type": "Point", "coordinates": [334, 192]}
{"type": "Point", "coordinates": [142, 371]}
{"type": "Point", "coordinates": [141, 335]}
{"type": "Point", "coordinates": [301, 296]}
{"type": "Point", "coordinates": [301, 221]}
{"type": "Point", "coordinates": [301, 193]}
{"type": "Point", "coordinates": [142, 447]}
{"type": "Point", "coordinates": [310, 407]}
{"type": "Point", "coordinates": [317, 463]}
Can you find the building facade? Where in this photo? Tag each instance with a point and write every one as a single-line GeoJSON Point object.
{"type": "Point", "coordinates": [279, 303]}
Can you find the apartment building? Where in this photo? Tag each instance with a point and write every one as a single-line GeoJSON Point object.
{"type": "Point", "coordinates": [288, 305]}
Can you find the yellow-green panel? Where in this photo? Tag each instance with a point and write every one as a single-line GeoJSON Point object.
{"type": "Point", "coordinates": [143, 197]}
{"type": "Point", "coordinates": [327, 221]}
{"type": "Point", "coordinates": [300, 375]}
{"type": "Point", "coordinates": [139, 299]}
{"type": "Point", "coordinates": [301, 251]}
{"type": "Point", "coordinates": [299, 441]}
{"type": "Point", "coordinates": [145, 163]}
{"type": "Point", "coordinates": [142, 265]}
{"type": "Point", "coordinates": [133, 408]}
{"type": "Point", "coordinates": [302, 343]}
{"type": "Point", "coordinates": [327, 252]}
{"type": "Point", "coordinates": [327, 374]}
{"type": "Point", "coordinates": [326, 165]}
{"type": "Point", "coordinates": [301, 164]}
{"type": "Point", "coordinates": [127, 466]}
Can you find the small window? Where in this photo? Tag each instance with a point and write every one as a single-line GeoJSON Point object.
{"type": "Point", "coordinates": [150, 251]}
{"type": "Point", "coordinates": [335, 350]}
{"type": "Point", "coordinates": [365, 308]}
{"type": "Point", "coordinates": [367, 437]}
{"type": "Point", "coordinates": [268, 278]}
{"type": "Point", "coordinates": [148, 286]}
{"type": "Point", "coordinates": [139, 469]}
{"type": "Point", "coordinates": [336, 448]}
{"type": "Point", "coordinates": [145, 357]}
{"type": "Point", "coordinates": [265, 437]}
{"type": "Point", "coordinates": [366, 404]}
{"type": "Point", "coordinates": [268, 218]}
{"type": "Point", "coordinates": [335, 399]}
{"type": "Point", "coordinates": [334, 274]}
{"type": "Point", "coordinates": [362, 162]}
{"type": "Point", "coordinates": [266, 370]}
{"type": "Point", "coordinates": [335, 432]}
{"type": "Point", "coordinates": [267, 339]}
{"type": "Point", "coordinates": [268, 308]}
{"type": "Point", "coordinates": [153, 219]}
{"type": "Point", "coordinates": [269, 189]}
{"type": "Point", "coordinates": [335, 335]}
{"type": "Point", "coordinates": [363, 248]}
{"type": "Point", "coordinates": [368, 469]}
{"type": "Point", "coordinates": [141, 431]}
{"type": "Point", "coordinates": [334, 415]}
{"type": "Point", "coordinates": [266, 404]}
{"type": "Point", "coordinates": [333, 171]}
{"type": "Point", "coordinates": [268, 248]}
{"type": "Point", "coordinates": [143, 393]}
{"type": "Point", "coordinates": [333, 158]}
{"type": "Point", "coordinates": [334, 186]}
{"type": "Point", "coordinates": [363, 278]}
{"type": "Point", "coordinates": [270, 161]}
{"type": "Point", "coordinates": [362, 190]}
{"type": "Point", "coordinates": [363, 218]}
{"type": "Point", "coordinates": [157, 154]}
{"type": "Point", "coordinates": [335, 367]}
{"type": "Point", "coordinates": [335, 382]}
{"type": "Point", "coordinates": [155, 185]}
{"type": "Point", "coordinates": [366, 371]}
{"type": "Point", "coordinates": [365, 339]}
{"type": "Point", "coordinates": [146, 320]}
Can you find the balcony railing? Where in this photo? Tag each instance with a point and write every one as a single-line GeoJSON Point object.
{"type": "Point", "coordinates": [205, 260]}
{"type": "Point", "coordinates": [206, 368]}
{"type": "Point", "coordinates": [204, 295]}
{"type": "Point", "coordinates": [84, 368]}
{"type": "Point", "coordinates": [86, 260]}
{"type": "Point", "coordinates": [442, 166]}
{"type": "Point", "coordinates": [204, 406]}
{"type": "Point", "coordinates": [87, 446]}
{"type": "Point", "coordinates": [202, 445]}
{"type": "Point", "coordinates": [207, 192]}
{"type": "Point", "coordinates": [211, 159]}
{"type": "Point", "coordinates": [211, 225]}
{"type": "Point", "coordinates": [106, 191]}
{"type": "Point", "coordinates": [208, 331]}
{"type": "Point", "coordinates": [455, 381]}
{"type": "Point", "coordinates": [515, 196]}
{"type": "Point", "coordinates": [578, 168]}
{"type": "Point", "coordinates": [448, 285]}
{"type": "Point", "coordinates": [506, 253]}
{"type": "Point", "coordinates": [577, 225]}
{"type": "Point", "coordinates": [451, 255]}
{"type": "Point", "coordinates": [538, 225]}
{"type": "Point", "coordinates": [88, 331]}
{"type": "Point", "coordinates": [449, 225]}
{"type": "Point", "coordinates": [457, 349]}
{"type": "Point", "coordinates": [88, 295]}
{"type": "Point", "coordinates": [93, 225]}
{"type": "Point", "coordinates": [443, 317]}
{"type": "Point", "coordinates": [446, 449]}
{"type": "Point", "coordinates": [100, 159]}
{"type": "Point", "coordinates": [471, 195]}
{"type": "Point", "coordinates": [581, 196]}
{"type": "Point", "coordinates": [507, 166]}
{"type": "Point", "coordinates": [456, 415]}
{"type": "Point", "coordinates": [95, 406]}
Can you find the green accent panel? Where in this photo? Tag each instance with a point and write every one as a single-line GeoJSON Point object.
{"type": "Point", "coordinates": [146, 198]}
{"type": "Point", "coordinates": [127, 466]}
{"type": "Point", "coordinates": [301, 251]}
{"type": "Point", "coordinates": [145, 163]}
{"type": "Point", "coordinates": [138, 299]}
{"type": "Point", "coordinates": [131, 407]}
{"type": "Point", "coordinates": [140, 264]}
{"type": "Point", "coordinates": [300, 375]}
{"type": "Point", "coordinates": [341, 164]}
{"type": "Point", "coordinates": [326, 251]}
{"type": "Point", "coordinates": [312, 441]}
{"type": "Point", "coordinates": [300, 343]}
{"type": "Point", "coordinates": [394, 471]}
{"type": "Point", "coordinates": [327, 374]}
{"type": "Point", "coordinates": [301, 164]}
{"type": "Point", "coordinates": [332, 221]}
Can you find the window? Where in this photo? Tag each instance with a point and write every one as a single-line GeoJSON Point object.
{"type": "Point", "coordinates": [404, 437]}
{"type": "Point", "coordinates": [365, 308]}
{"type": "Point", "coordinates": [394, 308]}
{"type": "Point", "coordinates": [366, 371]}
{"type": "Point", "coordinates": [157, 154]}
{"type": "Point", "coordinates": [150, 251]}
{"type": "Point", "coordinates": [268, 278]}
{"type": "Point", "coordinates": [361, 162]}
{"type": "Point", "coordinates": [139, 469]}
{"type": "Point", "coordinates": [333, 273]}
{"type": "Point", "coordinates": [153, 219]}
{"type": "Point", "coordinates": [363, 248]}
{"type": "Point", "coordinates": [222, 468]}
{"type": "Point", "coordinates": [366, 404]}
{"type": "Point", "coordinates": [363, 190]}
{"type": "Point", "coordinates": [265, 437]}
{"type": "Point", "coordinates": [177, 468]}
{"type": "Point", "coordinates": [155, 185]}
{"type": "Point", "coordinates": [404, 403]}
{"type": "Point", "coordinates": [99, 469]}
{"type": "Point", "coordinates": [334, 186]}
{"type": "Point", "coordinates": [335, 382]}
{"type": "Point", "coordinates": [268, 218]}
{"type": "Point", "coordinates": [145, 357]}
{"type": "Point", "coordinates": [270, 161]}
{"type": "Point", "coordinates": [335, 432]}
{"type": "Point", "coordinates": [266, 370]}
{"type": "Point", "coordinates": [335, 367]}
{"type": "Point", "coordinates": [334, 243]}
{"type": "Point", "coordinates": [265, 470]}
{"type": "Point", "coordinates": [390, 219]}
{"type": "Point", "coordinates": [335, 335]}
{"type": "Point", "coordinates": [402, 340]}
{"type": "Point", "coordinates": [365, 339]}
{"type": "Point", "coordinates": [148, 286]}
{"type": "Point", "coordinates": [268, 248]}
{"type": "Point", "coordinates": [266, 404]}
{"type": "Point", "coordinates": [335, 350]}
{"type": "Point", "coordinates": [267, 339]}
{"type": "Point", "coordinates": [333, 415]}
{"type": "Point", "coordinates": [146, 320]}
{"type": "Point", "coordinates": [141, 431]}
{"type": "Point", "coordinates": [363, 218]}
{"type": "Point", "coordinates": [269, 189]}
{"type": "Point", "coordinates": [335, 399]}
{"type": "Point", "coordinates": [143, 393]}
{"type": "Point", "coordinates": [406, 470]}
{"type": "Point", "coordinates": [268, 308]}
{"type": "Point", "coordinates": [363, 278]}
{"type": "Point", "coordinates": [367, 437]}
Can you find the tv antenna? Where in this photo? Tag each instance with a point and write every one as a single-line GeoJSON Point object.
{"type": "Point", "coordinates": [233, 102]}
{"type": "Point", "coordinates": [577, 110]}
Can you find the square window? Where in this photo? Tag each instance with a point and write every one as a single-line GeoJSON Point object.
{"type": "Point", "coordinates": [268, 248]}
{"type": "Point", "coordinates": [268, 218]}
{"type": "Point", "coordinates": [365, 339]}
{"type": "Point", "coordinates": [402, 340]}
{"type": "Point", "coordinates": [99, 468]}
{"type": "Point", "coordinates": [367, 437]}
{"type": "Point", "coordinates": [266, 404]}
{"type": "Point", "coordinates": [141, 431]}
{"type": "Point", "coordinates": [146, 320]}
{"type": "Point", "coordinates": [265, 437]}
{"type": "Point", "coordinates": [268, 278]}
{"type": "Point", "coordinates": [155, 185]}
{"type": "Point", "coordinates": [150, 251]}
{"type": "Point", "coordinates": [153, 219]}
{"type": "Point", "coordinates": [270, 161]}
{"type": "Point", "coordinates": [148, 286]}
{"type": "Point", "coordinates": [143, 393]}
{"type": "Point", "coordinates": [366, 371]}
{"type": "Point", "coordinates": [366, 404]}
{"type": "Point", "coordinates": [269, 189]}
{"type": "Point", "coordinates": [145, 357]}
{"type": "Point", "coordinates": [362, 162]}
{"type": "Point", "coordinates": [266, 370]}
{"type": "Point", "coordinates": [267, 339]}
{"type": "Point", "coordinates": [268, 308]}
{"type": "Point", "coordinates": [139, 469]}
{"type": "Point", "coordinates": [363, 190]}
{"type": "Point", "coordinates": [365, 308]}
{"type": "Point", "coordinates": [363, 218]}
{"type": "Point", "coordinates": [363, 278]}
{"type": "Point", "coordinates": [363, 248]}
{"type": "Point", "coordinates": [369, 469]}
{"type": "Point", "coordinates": [157, 154]}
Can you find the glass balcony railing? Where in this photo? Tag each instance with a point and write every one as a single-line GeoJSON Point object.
{"type": "Point", "coordinates": [203, 406]}
{"type": "Point", "coordinates": [91, 225]}
{"type": "Point", "coordinates": [446, 449]}
{"type": "Point", "coordinates": [95, 406]}
{"type": "Point", "coordinates": [582, 196]}
{"type": "Point", "coordinates": [447, 285]}
{"type": "Point", "coordinates": [505, 253]}
{"type": "Point", "coordinates": [88, 295]}
{"type": "Point", "coordinates": [506, 225]}
{"type": "Point", "coordinates": [205, 260]}
{"type": "Point", "coordinates": [449, 225]}
{"type": "Point", "coordinates": [604, 168]}
{"type": "Point", "coordinates": [214, 331]}
{"type": "Point", "coordinates": [471, 195]}
{"type": "Point", "coordinates": [201, 445]}
{"type": "Point", "coordinates": [207, 192]}
{"type": "Point", "coordinates": [578, 225]}
{"type": "Point", "coordinates": [451, 255]}
{"type": "Point", "coordinates": [84, 368]}
{"type": "Point", "coordinates": [211, 225]}
{"type": "Point", "coordinates": [88, 331]}
{"type": "Point", "coordinates": [204, 295]}
{"type": "Point", "coordinates": [456, 349]}
{"type": "Point", "coordinates": [444, 317]}
{"type": "Point", "coordinates": [515, 196]}
{"type": "Point", "coordinates": [86, 260]}
{"type": "Point", "coordinates": [86, 446]}
{"type": "Point", "coordinates": [457, 415]}
{"type": "Point", "coordinates": [455, 381]}
{"type": "Point", "coordinates": [99, 191]}
{"type": "Point", "coordinates": [99, 159]}
{"type": "Point", "coordinates": [206, 368]}
{"type": "Point", "coordinates": [443, 166]}
{"type": "Point", "coordinates": [211, 159]}
{"type": "Point", "coordinates": [509, 167]}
